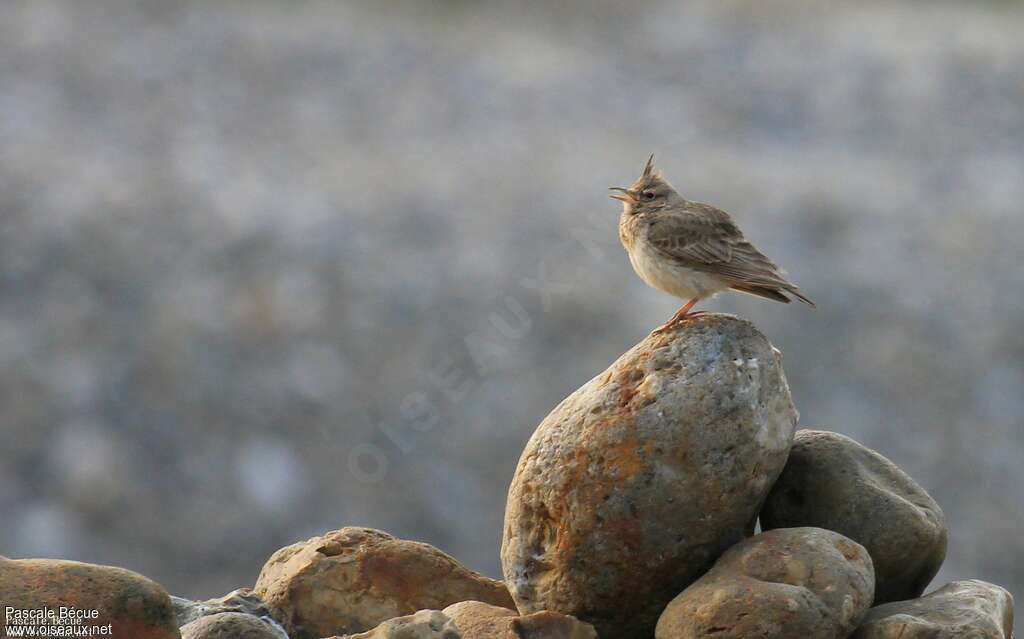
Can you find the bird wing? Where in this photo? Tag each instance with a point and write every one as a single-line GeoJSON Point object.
{"type": "Point", "coordinates": [706, 239]}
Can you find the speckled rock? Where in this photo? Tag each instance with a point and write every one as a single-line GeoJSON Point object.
{"type": "Point", "coordinates": [477, 620]}
{"type": "Point", "coordinates": [133, 606]}
{"type": "Point", "coordinates": [639, 480]}
{"type": "Point", "coordinates": [352, 579]}
{"type": "Point", "coordinates": [425, 624]}
{"type": "Point", "coordinates": [792, 582]}
{"type": "Point", "coordinates": [230, 625]}
{"type": "Point", "coordinates": [240, 600]}
{"type": "Point", "coordinates": [960, 609]}
{"type": "Point", "coordinates": [831, 481]}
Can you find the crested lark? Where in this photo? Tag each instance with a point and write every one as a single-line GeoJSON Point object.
{"type": "Point", "coordinates": [692, 250]}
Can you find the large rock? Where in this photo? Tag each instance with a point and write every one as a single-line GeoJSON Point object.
{"type": "Point", "coordinates": [831, 481]}
{"type": "Point", "coordinates": [352, 579]}
{"type": "Point", "coordinates": [425, 624]}
{"type": "Point", "coordinates": [230, 625]}
{"type": "Point", "coordinates": [973, 609]}
{"type": "Point", "coordinates": [477, 620]}
{"type": "Point", "coordinates": [639, 480]}
{"type": "Point", "coordinates": [792, 582]}
{"type": "Point", "coordinates": [241, 600]}
{"type": "Point", "coordinates": [127, 605]}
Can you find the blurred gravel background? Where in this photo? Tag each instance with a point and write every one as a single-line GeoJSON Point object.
{"type": "Point", "coordinates": [272, 268]}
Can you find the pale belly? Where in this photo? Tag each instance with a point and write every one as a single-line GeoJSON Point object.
{"type": "Point", "coordinates": [682, 282]}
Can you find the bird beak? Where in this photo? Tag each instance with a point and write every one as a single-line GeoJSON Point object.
{"type": "Point", "coordinates": [626, 196]}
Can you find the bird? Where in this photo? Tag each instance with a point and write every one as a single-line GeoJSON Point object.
{"type": "Point", "coordinates": [690, 249]}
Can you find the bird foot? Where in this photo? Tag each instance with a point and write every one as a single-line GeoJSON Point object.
{"type": "Point", "coordinates": [676, 320]}
{"type": "Point", "coordinates": [682, 314]}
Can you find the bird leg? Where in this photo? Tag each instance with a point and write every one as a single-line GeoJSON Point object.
{"type": "Point", "coordinates": [681, 314]}
{"type": "Point", "coordinates": [684, 312]}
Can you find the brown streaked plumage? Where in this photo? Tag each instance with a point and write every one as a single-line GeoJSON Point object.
{"type": "Point", "coordinates": [692, 250]}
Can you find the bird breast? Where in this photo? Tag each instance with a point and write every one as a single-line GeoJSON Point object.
{"type": "Point", "coordinates": [663, 272]}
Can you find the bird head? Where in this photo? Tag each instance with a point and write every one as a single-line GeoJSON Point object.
{"type": "Point", "coordinates": [650, 192]}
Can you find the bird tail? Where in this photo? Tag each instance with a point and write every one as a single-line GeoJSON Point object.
{"type": "Point", "coordinates": [773, 293]}
{"type": "Point", "coordinates": [803, 298]}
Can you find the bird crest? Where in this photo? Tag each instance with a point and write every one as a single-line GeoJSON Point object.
{"type": "Point", "coordinates": [649, 167]}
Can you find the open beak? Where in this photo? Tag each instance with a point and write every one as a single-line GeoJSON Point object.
{"type": "Point", "coordinates": [626, 196]}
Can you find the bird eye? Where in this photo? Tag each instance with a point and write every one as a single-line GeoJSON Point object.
{"type": "Point", "coordinates": [647, 195]}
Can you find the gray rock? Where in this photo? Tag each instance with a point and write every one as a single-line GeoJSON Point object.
{"type": "Point", "coordinates": [786, 583]}
{"type": "Point", "coordinates": [477, 620]}
{"type": "Point", "coordinates": [240, 600]}
{"type": "Point", "coordinates": [425, 624]}
{"type": "Point", "coordinates": [831, 481]}
{"type": "Point", "coordinates": [971, 608]}
{"type": "Point", "coordinates": [350, 580]}
{"type": "Point", "coordinates": [634, 484]}
{"type": "Point", "coordinates": [230, 625]}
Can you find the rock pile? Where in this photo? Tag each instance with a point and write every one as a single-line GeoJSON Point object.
{"type": "Point", "coordinates": [633, 486]}
{"type": "Point", "coordinates": [832, 482]}
{"type": "Point", "coordinates": [631, 515]}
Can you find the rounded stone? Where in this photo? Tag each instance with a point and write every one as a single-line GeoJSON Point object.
{"type": "Point", "coordinates": [634, 484]}
{"type": "Point", "coordinates": [477, 620]}
{"type": "Point", "coordinates": [240, 600]}
{"type": "Point", "coordinates": [971, 608]}
{"type": "Point", "coordinates": [425, 624]}
{"type": "Point", "coordinates": [127, 605]}
{"type": "Point", "coordinates": [786, 583]}
{"type": "Point", "coordinates": [350, 580]}
{"type": "Point", "coordinates": [833, 482]}
{"type": "Point", "coordinates": [230, 625]}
